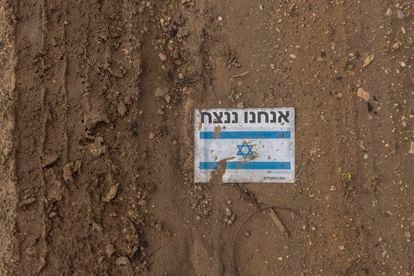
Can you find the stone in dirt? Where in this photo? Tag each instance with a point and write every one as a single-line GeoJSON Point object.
{"type": "Point", "coordinates": [167, 98]}
{"type": "Point", "coordinates": [411, 148]}
{"type": "Point", "coordinates": [388, 12]}
{"type": "Point", "coordinates": [367, 61]}
{"type": "Point", "coordinates": [111, 194]}
{"type": "Point", "coordinates": [363, 94]}
{"type": "Point", "coordinates": [122, 109]}
{"type": "Point", "coordinates": [162, 57]}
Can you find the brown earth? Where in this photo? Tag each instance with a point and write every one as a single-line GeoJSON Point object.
{"type": "Point", "coordinates": [96, 165]}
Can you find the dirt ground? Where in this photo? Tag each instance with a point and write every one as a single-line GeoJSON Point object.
{"type": "Point", "coordinates": [96, 137]}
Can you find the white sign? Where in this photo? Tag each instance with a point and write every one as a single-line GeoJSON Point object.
{"type": "Point", "coordinates": [253, 145]}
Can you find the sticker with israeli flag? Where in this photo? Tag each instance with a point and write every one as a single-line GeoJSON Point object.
{"type": "Point", "coordinates": [250, 145]}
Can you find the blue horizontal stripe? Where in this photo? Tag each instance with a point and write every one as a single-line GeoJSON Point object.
{"type": "Point", "coordinates": [245, 135]}
{"type": "Point", "coordinates": [246, 165]}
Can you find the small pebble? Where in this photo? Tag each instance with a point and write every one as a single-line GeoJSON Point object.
{"type": "Point", "coordinates": [167, 98]}
{"type": "Point", "coordinates": [388, 12]}
{"type": "Point", "coordinates": [363, 94]}
{"type": "Point", "coordinates": [122, 109]}
{"type": "Point", "coordinates": [396, 45]}
{"type": "Point", "coordinates": [162, 57]}
{"type": "Point", "coordinates": [411, 148]}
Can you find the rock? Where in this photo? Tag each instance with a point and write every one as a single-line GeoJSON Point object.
{"type": "Point", "coordinates": [388, 12]}
{"type": "Point", "coordinates": [292, 56]}
{"type": "Point", "coordinates": [161, 91]}
{"type": "Point", "coordinates": [111, 194]}
{"type": "Point", "coordinates": [152, 135]}
{"type": "Point", "coordinates": [368, 60]}
{"type": "Point", "coordinates": [122, 109]}
{"type": "Point", "coordinates": [162, 57]}
{"type": "Point", "coordinates": [167, 98]}
{"type": "Point", "coordinates": [411, 148]}
{"type": "Point", "coordinates": [396, 45]}
{"type": "Point", "coordinates": [363, 94]}
{"type": "Point", "coordinates": [121, 261]}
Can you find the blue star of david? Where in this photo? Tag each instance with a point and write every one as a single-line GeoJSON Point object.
{"type": "Point", "coordinates": [245, 150]}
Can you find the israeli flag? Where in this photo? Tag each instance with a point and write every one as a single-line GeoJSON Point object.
{"type": "Point", "coordinates": [250, 145]}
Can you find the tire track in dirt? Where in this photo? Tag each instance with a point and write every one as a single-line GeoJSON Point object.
{"type": "Point", "coordinates": [30, 175]}
{"type": "Point", "coordinates": [160, 144]}
{"type": "Point", "coordinates": [83, 161]}
{"type": "Point", "coordinates": [8, 193]}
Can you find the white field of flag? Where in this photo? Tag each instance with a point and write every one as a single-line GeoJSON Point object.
{"type": "Point", "coordinates": [254, 145]}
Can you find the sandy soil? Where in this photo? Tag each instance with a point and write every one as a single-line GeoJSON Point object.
{"type": "Point", "coordinates": [96, 137]}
